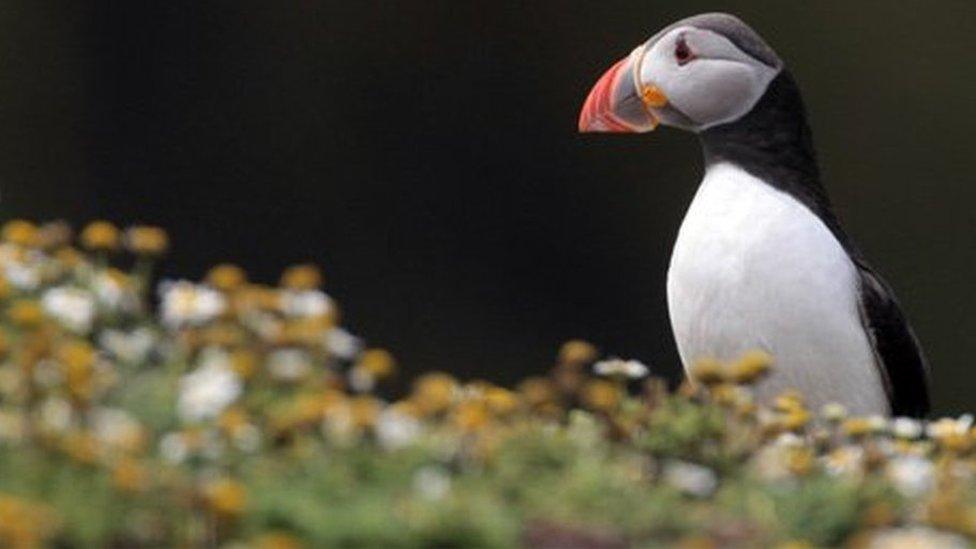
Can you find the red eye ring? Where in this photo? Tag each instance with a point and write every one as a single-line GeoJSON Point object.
{"type": "Point", "coordinates": [682, 53]}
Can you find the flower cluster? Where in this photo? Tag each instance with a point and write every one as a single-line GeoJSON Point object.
{"type": "Point", "coordinates": [241, 414]}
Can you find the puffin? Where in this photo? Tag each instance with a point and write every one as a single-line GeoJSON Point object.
{"type": "Point", "coordinates": [761, 261]}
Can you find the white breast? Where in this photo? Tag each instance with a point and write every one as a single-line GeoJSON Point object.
{"type": "Point", "coordinates": [754, 268]}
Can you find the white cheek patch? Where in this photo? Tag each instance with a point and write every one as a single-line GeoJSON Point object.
{"type": "Point", "coordinates": [721, 85]}
{"type": "Point", "coordinates": [713, 92]}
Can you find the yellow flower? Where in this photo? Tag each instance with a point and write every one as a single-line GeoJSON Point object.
{"type": "Point", "coordinates": [244, 363]}
{"type": "Point", "coordinates": [25, 524]}
{"type": "Point", "coordinates": [129, 476]}
{"type": "Point", "coordinates": [20, 232]}
{"type": "Point", "coordinates": [751, 367]}
{"type": "Point", "coordinates": [856, 427]}
{"type": "Point", "coordinates": [226, 277]}
{"type": "Point", "coordinates": [501, 401]}
{"type": "Point", "coordinates": [247, 298]}
{"type": "Point", "coordinates": [471, 416]}
{"type": "Point", "coordinates": [25, 313]}
{"type": "Point", "coordinates": [302, 331]}
{"type": "Point", "coordinates": [69, 256]}
{"type": "Point", "coordinates": [78, 359]}
{"type": "Point", "coordinates": [146, 240]}
{"type": "Point", "coordinates": [947, 510]}
{"type": "Point", "coordinates": [708, 371]}
{"type": "Point", "coordinates": [378, 362]}
{"type": "Point", "coordinates": [54, 235]}
{"type": "Point", "coordinates": [577, 352]}
{"type": "Point", "coordinates": [302, 277]}
{"type": "Point", "coordinates": [332, 400]}
{"type": "Point", "coordinates": [232, 420]}
{"type": "Point", "coordinates": [223, 334]}
{"type": "Point", "coordinates": [433, 393]}
{"type": "Point", "coordinates": [601, 395]}
{"type": "Point", "coordinates": [800, 460]}
{"type": "Point", "coordinates": [795, 419]}
{"type": "Point", "coordinates": [100, 235]}
{"type": "Point", "coordinates": [364, 410]}
{"type": "Point", "coordinates": [726, 394]}
{"type": "Point", "coordinates": [226, 497]}
{"type": "Point", "coordinates": [81, 446]}
{"type": "Point", "coordinates": [789, 401]}
{"type": "Point", "coordinates": [537, 391]}
{"type": "Point", "coordinates": [878, 515]}
{"type": "Point", "coordinates": [955, 442]}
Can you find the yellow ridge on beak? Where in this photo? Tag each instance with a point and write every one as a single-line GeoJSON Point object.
{"type": "Point", "coordinates": [650, 95]}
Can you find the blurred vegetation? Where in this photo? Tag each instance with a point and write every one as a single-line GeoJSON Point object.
{"type": "Point", "coordinates": [240, 415]}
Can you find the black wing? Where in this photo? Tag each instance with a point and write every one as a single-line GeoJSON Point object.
{"type": "Point", "coordinates": [903, 367]}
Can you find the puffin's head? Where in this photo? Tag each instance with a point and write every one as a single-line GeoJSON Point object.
{"type": "Point", "coordinates": [698, 73]}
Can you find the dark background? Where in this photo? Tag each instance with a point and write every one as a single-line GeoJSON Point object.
{"type": "Point", "coordinates": [424, 152]}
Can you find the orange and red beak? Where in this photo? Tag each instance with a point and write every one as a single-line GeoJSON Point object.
{"type": "Point", "coordinates": [619, 103]}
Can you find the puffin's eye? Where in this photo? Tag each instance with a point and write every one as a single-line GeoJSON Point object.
{"type": "Point", "coordinates": [682, 53]}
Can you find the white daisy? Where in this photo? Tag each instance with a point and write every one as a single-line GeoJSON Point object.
{"type": "Point", "coordinates": [907, 428]}
{"type": "Point", "coordinates": [173, 447]}
{"type": "Point", "coordinates": [690, 478]}
{"type": "Point", "coordinates": [74, 308]}
{"type": "Point", "coordinates": [432, 482]}
{"type": "Point", "coordinates": [342, 344]}
{"type": "Point", "coordinates": [616, 367]}
{"type": "Point", "coordinates": [395, 429]}
{"type": "Point", "coordinates": [131, 347]}
{"type": "Point", "coordinates": [844, 461]}
{"type": "Point", "coordinates": [116, 428]}
{"type": "Point", "coordinates": [913, 476]}
{"type": "Point", "coordinates": [289, 364]}
{"type": "Point", "coordinates": [188, 304]}
{"type": "Point", "coordinates": [207, 391]}
{"type": "Point", "coordinates": [306, 303]}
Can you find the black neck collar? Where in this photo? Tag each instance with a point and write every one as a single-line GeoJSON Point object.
{"type": "Point", "coordinates": [774, 143]}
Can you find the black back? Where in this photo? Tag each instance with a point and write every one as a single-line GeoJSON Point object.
{"type": "Point", "coordinates": [774, 143]}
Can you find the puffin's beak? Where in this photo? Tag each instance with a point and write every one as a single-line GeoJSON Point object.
{"type": "Point", "coordinates": [618, 103]}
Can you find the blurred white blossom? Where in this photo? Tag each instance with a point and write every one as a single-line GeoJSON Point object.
{"type": "Point", "coordinates": [844, 461]}
{"type": "Point", "coordinates": [116, 428]}
{"type": "Point", "coordinates": [432, 482]}
{"type": "Point", "coordinates": [395, 429]}
{"type": "Point", "coordinates": [913, 476]}
{"type": "Point", "coordinates": [306, 303]}
{"type": "Point", "coordinates": [132, 347]}
{"type": "Point", "coordinates": [690, 478]}
{"type": "Point", "coordinates": [173, 447]}
{"type": "Point", "coordinates": [289, 364]}
{"type": "Point", "coordinates": [616, 367]}
{"type": "Point", "coordinates": [833, 411]}
{"type": "Point", "coordinates": [342, 344]}
{"type": "Point", "coordinates": [72, 307]}
{"type": "Point", "coordinates": [188, 304]}
{"type": "Point", "coordinates": [55, 414]}
{"type": "Point", "coordinates": [907, 428]}
{"type": "Point", "coordinates": [207, 391]}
